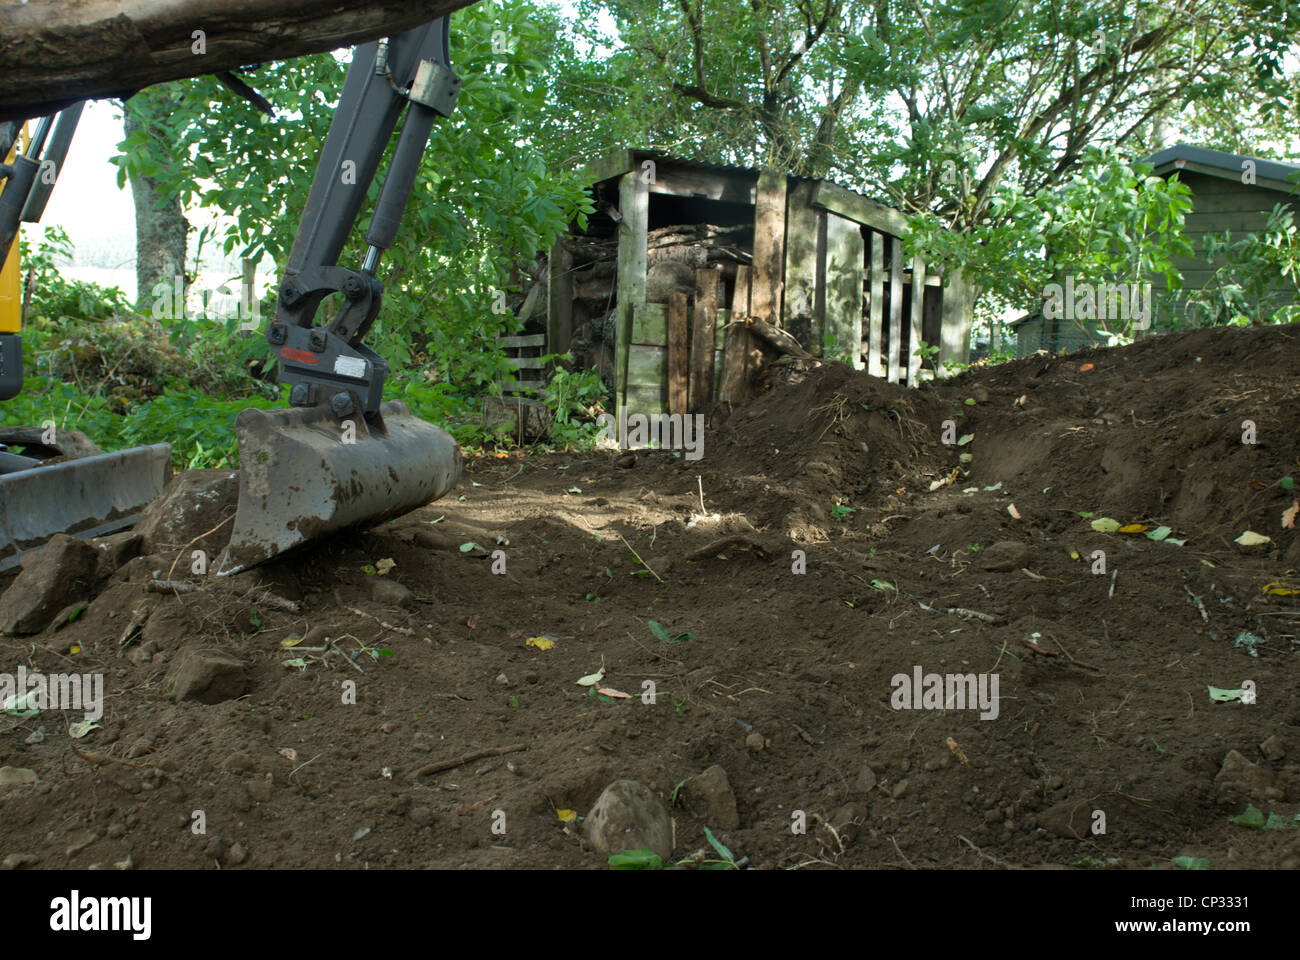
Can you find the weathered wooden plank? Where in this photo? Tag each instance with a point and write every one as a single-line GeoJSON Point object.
{"type": "Point", "coordinates": [805, 227]}
{"type": "Point", "coordinates": [846, 203]}
{"type": "Point", "coordinates": [526, 363]}
{"type": "Point", "coordinates": [893, 371]}
{"type": "Point", "coordinates": [769, 245]}
{"type": "Point", "coordinates": [918, 311]}
{"type": "Point", "coordinates": [875, 330]}
{"type": "Point", "coordinates": [527, 340]}
{"type": "Point", "coordinates": [650, 324]}
{"type": "Point", "coordinates": [725, 185]}
{"type": "Point", "coordinates": [843, 283]}
{"type": "Point", "coordinates": [559, 297]}
{"type": "Point", "coordinates": [735, 378]}
{"type": "Point", "coordinates": [647, 366]}
{"type": "Point", "coordinates": [678, 376]}
{"type": "Point", "coordinates": [704, 318]}
{"type": "Point", "coordinates": [634, 205]}
{"type": "Point", "coordinates": [958, 312]}
{"type": "Point", "coordinates": [606, 168]}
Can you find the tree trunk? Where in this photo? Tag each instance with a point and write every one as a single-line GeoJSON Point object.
{"type": "Point", "coordinates": [160, 225]}
{"type": "Point", "coordinates": [56, 52]}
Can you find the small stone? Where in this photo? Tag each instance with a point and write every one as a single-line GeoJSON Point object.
{"type": "Point", "coordinates": [900, 788]}
{"type": "Point", "coordinates": [712, 800]}
{"type": "Point", "coordinates": [628, 816]}
{"type": "Point", "coordinates": [238, 853]}
{"type": "Point", "coordinates": [13, 776]}
{"type": "Point", "coordinates": [866, 779]}
{"type": "Point", "coordinates": [16, 861]}
{"type": "Point", "coordinates": [389, 593]}
{"type": "Point", "coordinates": [422, 742]}
{"type": "Point", "coordinates": [1240, 780]}
{"type": "Point", "coordinates": [1272, 748]}
{"type": "Point", "coordinates": [51, 578]}
{"type": "Point", "coordinates": [80, 841]}
{"type": "Point", "coordinates": [1005, 556]}
{"type": "Point", "coordinates": [755, 742]}
{"type": "Point", "coordinates": [503, 680]}
{"type": "Point", "coordinates": [209, 677]}
{"type": "Point", "coordinates": [116, 831]}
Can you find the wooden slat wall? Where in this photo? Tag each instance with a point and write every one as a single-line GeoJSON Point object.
{"type": "Point", "coordinates": [704, 318]}
{"type": "Point", "coordinates": [736, 342]}
{"type": "Point", "coordinates": [842, 282]}
{"type": "Point", "coordinates": [875, 332]}
{"type": "Point", "coordinates": [914, 331]}
{"type": "Point", "coordinates": [804, 257]}
{"type": "Point", "coordinates": [895, 309]}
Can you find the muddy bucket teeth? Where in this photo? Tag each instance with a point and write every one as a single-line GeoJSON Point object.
{"type": "Point", "coordinates": [304, 474]}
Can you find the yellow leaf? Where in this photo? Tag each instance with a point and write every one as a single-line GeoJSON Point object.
{"type": "Point", "coordinates": [567, 816]}
{"type": "Point", "coordinates": [75, 648]}
{"type": "Point", "coordinates": [383, 566]}
{"type": "Point", "coordinates": [1289, 515]}
{"type": "Point", "coordinates": [1252, 539]}
{"type": "Point", "coordinates": [1074, 554]}
{"type": "Point", "coordinates": [291, 641]}
{"type": "Point", "coordinates": [1133, 528]}
{"type": "Point", "coordinates": [541, 643]}
{"type": "Point", "coordinates": [1281, 590]}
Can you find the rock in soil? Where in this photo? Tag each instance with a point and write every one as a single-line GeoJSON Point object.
{"type": "Point", "coordinates": [53, 577]}
{"type": "Point", "coordinates": [710, 798]}
{"type": "Point", "coordinates": [1005, 555]}
{"type": "Point", "coordinates": [1240, 781]}
{"type": "Point", "coordinates": [209, 677]}
{"type": "Point", "coordinates": [628, 816]}
{"type": "Point", "coordinates": [194, 503]}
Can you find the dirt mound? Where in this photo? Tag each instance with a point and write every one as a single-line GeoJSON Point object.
{"type": "Point", "coordinates": [776, 611]}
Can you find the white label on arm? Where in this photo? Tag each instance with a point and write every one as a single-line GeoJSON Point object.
{"type": "Point", "coordinates": [353, 367]}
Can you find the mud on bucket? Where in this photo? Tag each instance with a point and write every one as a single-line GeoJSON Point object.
{"type": "Point", "coordinates": [304, 474]}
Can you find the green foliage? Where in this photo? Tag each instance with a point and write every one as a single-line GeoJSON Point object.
{"type": "Point", "coordinates": [52, 297]}
{"type": "Point", "coordinates": [576, 398]}
{"type": "Point", "coordinates": [1259, 280]}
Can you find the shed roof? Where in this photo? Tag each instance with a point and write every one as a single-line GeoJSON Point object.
{"type": "Point", "coordinates": [1269, 174]}
{"type": "Point", "coordinates": [742, 186]}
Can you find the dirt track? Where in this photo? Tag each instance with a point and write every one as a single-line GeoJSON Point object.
{"type": "Point", "coordinates": [1108, 712]}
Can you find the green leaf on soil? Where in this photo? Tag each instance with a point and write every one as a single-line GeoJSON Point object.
{"type": "Point", "coordinates": [591, 679]}
{"type": "Point", "coordinates": [368, 570]}
{"type": "Point", "coordinates": [1191, 863]}
{"type": "Point", "coordinates": [1250, 538]}
{"type": "Point", "coordinates": [1286, 483]}
{"type": "Point", "coordinates": [969, 401]}
{"type": "Point", "coordinates": [1159, 533]}
{"type": "Point", "coordinates": [840, 512]}
{"type": "Point", "coordinates": [1224, 696]}
{"type": "Point", "coordinates": [966, 457]}
{"type": "Point", "coordinates": [636, 860]}
{"type": "Point", "coordinates": [716, 844]}
{"type": "Point", "coordinates": [467, 547]}
{"type": "Point", "coordinates": [658, 630]}
{"type": "Point", "coordinates": [965, 439]}
{"type": "Point", "coordinates": [882, 585]}
{"type": "Point", "coordinates": [77, 611]}
{"type": "Point", "coordinates": [1087, 514]}
{"type": "Point", "coordinates": [1105, 525]}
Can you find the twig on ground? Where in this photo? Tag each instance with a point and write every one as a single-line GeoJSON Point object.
{"type": "Point", "coordinates": [433, 768]}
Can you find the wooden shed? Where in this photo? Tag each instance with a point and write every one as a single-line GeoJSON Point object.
{"type": "Point", "coordinates": [1230, 192]}
{"type": "Point", "coordinates": [657, 291]}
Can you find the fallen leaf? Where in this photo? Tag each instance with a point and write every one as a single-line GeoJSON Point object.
{"type": "Point", "coordinates": [289, 753]}
{"type": "Point", "coordinates": [541, 643]}
{"type": "Point", "coordinates": [1252, 539]}
{"type": "Point", "coordinates": [963, 440]}
{"type": "Point", "coordinates": [567, 816]}
{"type": "Point", "coordinates": [82, 727]}
{"type": "Point", "coordinates": [292, 640]}
{"type": "Point", "coordinates": [1011, 509]}
{"type": "Point", "coordinates": [471, 622]}
{"type": "Point", "coordinates": [1224, 696]}
{"type": "Point", "coordinates": [1289, 515]}
{"type": "Point", "coordinates": [1133, 528]}
{"type": "Point", "coordinates": [1105, 525]}
{"type": "Point", "coordinates": [591, 679]}
{"type": "Point", "coordinates": [611, 692]}
{"type": "Point", "coordinates": [1085, 367]}
{"type": "Point", "coordinates": [383, 566]}
{"type": "Point", "coordinates": [1159, 533]}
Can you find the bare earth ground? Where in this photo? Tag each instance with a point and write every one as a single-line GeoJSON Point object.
{"type": "Point", "coordinates": [1109, 712]}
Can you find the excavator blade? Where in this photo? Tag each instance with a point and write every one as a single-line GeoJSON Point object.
{"type": "Point", "coordinates": [304, 474]}
{"type": "Point", "coordinates": [85, 497]}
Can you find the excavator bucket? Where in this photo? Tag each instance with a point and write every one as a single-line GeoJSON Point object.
{"type": "Point", "coordinates": [304, 474]}
{"type": "Point", "coordinates": [85, 497]}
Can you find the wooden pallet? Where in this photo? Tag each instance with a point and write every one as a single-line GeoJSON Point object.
{"type": "Point", "coordinates": [520, 406]}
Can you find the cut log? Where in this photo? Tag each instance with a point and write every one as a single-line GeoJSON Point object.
{"type": "Point", "coordinates": [57, 52]}
{"type": "Point", "coordinates": [779, 340]}
{"type": "Point", "coordinates": [703, 324]}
